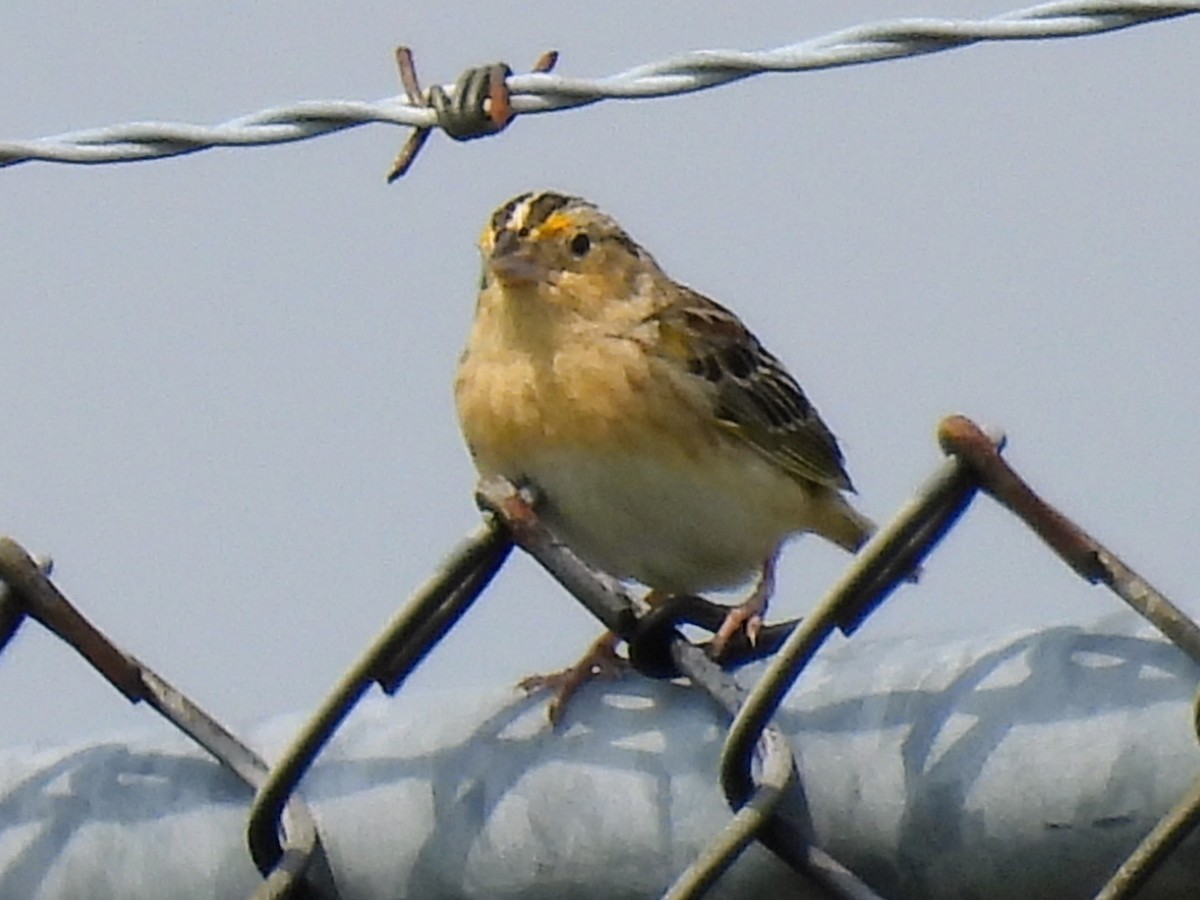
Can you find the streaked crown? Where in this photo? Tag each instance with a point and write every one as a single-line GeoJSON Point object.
{"type": "Point", "coordinates": [538, 215]}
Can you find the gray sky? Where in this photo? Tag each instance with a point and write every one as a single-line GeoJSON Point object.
{"type": "Point", "coordinates": [227, 408]}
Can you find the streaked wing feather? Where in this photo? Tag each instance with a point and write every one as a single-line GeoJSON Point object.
{"type": "Point", "coordinates": [753, 395]}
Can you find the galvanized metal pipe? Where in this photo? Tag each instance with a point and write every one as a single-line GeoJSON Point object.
{"type": "Point", "coordinates": [1026, 765]}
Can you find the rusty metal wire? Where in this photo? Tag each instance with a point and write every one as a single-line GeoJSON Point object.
{"type": "Point", "coordinates": [976, 464]}
{"type": "Point", "coordinates": [1095, 563]}
{"type": "Point", "coordinates": [892, 553]}
{"type": "Point", "coordinates": [1083, 553]}
{"type": "Point", "coordinates": [303, 871]}
{"type": "Point", "coordinates": [774, 811]}
{"type": "Point", "coordinates": [396, 652]}
{"type": "Point", "coordinates": [479, 104]}
{"type": "Point", "coordinates": [1155, 847]}
{"type": "Point", "coordinates": [616, 609]}
{"type": "Point", "coordinates": [12, 611]}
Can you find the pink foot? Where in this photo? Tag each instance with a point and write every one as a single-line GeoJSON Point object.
{"type": "Point", "coordinates": [600, 661]}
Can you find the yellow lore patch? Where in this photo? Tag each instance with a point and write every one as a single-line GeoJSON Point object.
{"type": "Point", "coordinates": [556, 225]}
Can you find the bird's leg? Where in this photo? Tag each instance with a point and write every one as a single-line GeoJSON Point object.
{"type": "Point", "coordinates": [600, 661]}
{"type": "Point", "coordinates": [749, 613]}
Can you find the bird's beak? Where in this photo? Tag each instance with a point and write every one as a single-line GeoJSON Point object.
{"type": "Point", "coordinates": [512, 262]}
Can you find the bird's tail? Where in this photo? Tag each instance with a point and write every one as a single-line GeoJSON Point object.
{"type": "Point", "coordinates": [851, 529]}
{"type": "Point", "coordinates": [847, 527]}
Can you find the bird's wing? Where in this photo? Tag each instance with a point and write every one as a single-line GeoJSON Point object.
{"type": "Point", "coordinates": [753, 396]}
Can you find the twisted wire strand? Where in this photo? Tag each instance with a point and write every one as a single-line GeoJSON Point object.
{"type": "Point", "coordinates": [541, 92]}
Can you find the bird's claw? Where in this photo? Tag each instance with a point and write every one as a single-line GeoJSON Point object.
{"type": "Point", "coordinates": [600, 662]}
{"type": "Point", "coordinates": [740, 618]}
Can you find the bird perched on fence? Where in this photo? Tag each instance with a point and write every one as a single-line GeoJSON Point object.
{"type": "Point", "coordinates": [667, 444]}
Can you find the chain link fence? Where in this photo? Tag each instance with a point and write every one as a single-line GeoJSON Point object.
{"type": "Point", "coordinates": [758, 773]}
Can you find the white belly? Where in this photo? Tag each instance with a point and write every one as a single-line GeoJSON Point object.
{"type": "Point", "coordinates": [673, 528]}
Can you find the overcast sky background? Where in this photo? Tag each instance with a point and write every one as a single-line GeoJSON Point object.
{"type": "Point", "coordinates": [227, 408]}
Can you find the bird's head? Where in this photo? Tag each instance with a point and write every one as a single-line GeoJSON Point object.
{"type": "Point", "coordinates": [558, 250]}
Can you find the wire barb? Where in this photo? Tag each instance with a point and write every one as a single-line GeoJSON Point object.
{"type": "Point", "coordinates": [479, 104]}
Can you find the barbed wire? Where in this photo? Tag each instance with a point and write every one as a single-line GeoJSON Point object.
{"type": "Point", "coordinates": [539, 91]}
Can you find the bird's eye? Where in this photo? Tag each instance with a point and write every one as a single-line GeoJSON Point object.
{"type": "Point", "coordinates": [581, 244]}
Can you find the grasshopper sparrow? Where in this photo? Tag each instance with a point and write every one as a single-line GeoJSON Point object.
{"type": "Point", "coordinates": [667, 444]}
